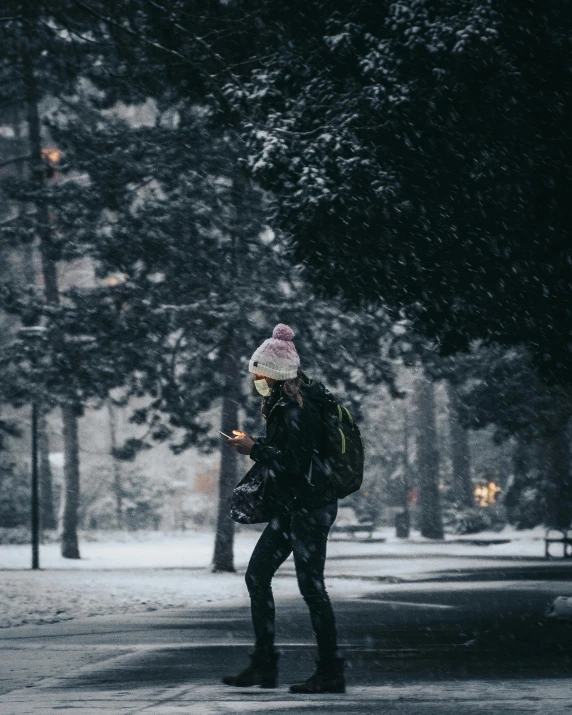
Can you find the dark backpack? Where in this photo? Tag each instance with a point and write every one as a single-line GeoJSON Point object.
{"type": "Point", "coordinates": [340, 455]}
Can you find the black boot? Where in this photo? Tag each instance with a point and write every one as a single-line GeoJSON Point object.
{"type": "Point", "coordinates": [328, 678]}
{"type": "Point", "coordinates": [263, 671]}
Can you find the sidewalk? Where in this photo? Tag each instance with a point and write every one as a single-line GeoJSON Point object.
{"type": "Point", "coordinates": [426, 628]}
{"type": "Point", "coordinates": [412, 649]}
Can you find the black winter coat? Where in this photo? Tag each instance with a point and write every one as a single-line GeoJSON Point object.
{"type": "Point", "coordinates": [292, 438]}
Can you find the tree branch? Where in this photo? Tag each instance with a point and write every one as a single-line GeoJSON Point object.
{"type": "Point", "coordinates": [12, 219]}
{"type": "Point", "coordinates": [113, 23]}
{"type": "Point", "coordinates": [12, 100]}
{"type": "Point", "coordinates": [15, 160]}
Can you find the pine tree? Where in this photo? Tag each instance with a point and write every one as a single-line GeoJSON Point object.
{"type": "Point", "coordinates": [192, 282]}
{"type": "Point", "coordinates": [504, 389]}
{"type": "Point", "coordinates": [40, 58]}
{"type": "Point", "coordinates": [163, 208]}
{"type": "Point", "coordinates": [409, 164]}
{"type": "Point", "coordinates": [19, 266]}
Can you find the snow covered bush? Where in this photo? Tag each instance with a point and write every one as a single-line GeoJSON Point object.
{"type": "Point", "coordinates": [19, 535]}
{"type": "Point", "coordinates": [473, 520]}
{"type": "Point", "coordinates": [526, 510]}
{"type": "Point", "coordinates": [14, 497]}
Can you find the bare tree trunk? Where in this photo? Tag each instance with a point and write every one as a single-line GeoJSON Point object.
{"type": "Point", "coordinates": [223, 559]}
{"type": "Point", "coordinates": [403, 519]}
{"type": "Point", "coordinates": [70, 501]}
{"type": "Point", "coordinates": [556, 475]}
{"type": "Point", "coordinates": [521, 457]}
{"type": "Point", "coordinates": [70, 494]}
{"type": "Point", "coordinates": [521, 463]}
{"type": "Point", "coordinates": [427, 458]}
{"type": "Point", "coordinates": [460, 454]}
{"type": "Point", "coordinates": [117, 482]}
{"type": "Point", "coordinates": [47, 511]}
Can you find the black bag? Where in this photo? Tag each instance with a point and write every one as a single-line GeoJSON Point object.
{"type": "Point", "coordinates": [341, 453]}
{"type": "Point", "coordinates": [250, 499]}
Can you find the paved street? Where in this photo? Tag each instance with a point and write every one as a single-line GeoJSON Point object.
{"type": "Point", "coordinates": [445, 646]}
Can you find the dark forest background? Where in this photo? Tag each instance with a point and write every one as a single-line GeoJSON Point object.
{"type": "Point", "coordinates": [392, 179]}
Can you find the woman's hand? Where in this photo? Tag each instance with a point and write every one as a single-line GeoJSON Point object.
{"type": "Point", "coordinates": [241, 443]}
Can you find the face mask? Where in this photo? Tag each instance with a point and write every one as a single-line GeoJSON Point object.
{"type": "Point", "coordinates": [262, 387]}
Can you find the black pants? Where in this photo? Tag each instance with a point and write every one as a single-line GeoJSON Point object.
{"type": "Point", "coordinates": [305, 534]}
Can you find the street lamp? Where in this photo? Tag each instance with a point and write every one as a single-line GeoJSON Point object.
{"type": "Point", "coordinates": [32, 332]}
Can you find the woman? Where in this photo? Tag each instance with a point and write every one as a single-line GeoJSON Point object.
{"type": "Point", "coordinates": [304, 508]}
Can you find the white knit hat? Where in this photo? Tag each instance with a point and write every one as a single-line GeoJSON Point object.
{"type": "Point", "coordinates": [276, 357]}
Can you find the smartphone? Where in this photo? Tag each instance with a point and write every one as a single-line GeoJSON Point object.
{"type": "Point", "coordinates": [226, 435]}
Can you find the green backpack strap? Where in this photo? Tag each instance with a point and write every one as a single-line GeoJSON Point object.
{"type": "Point", "coordinates": [341, 411]}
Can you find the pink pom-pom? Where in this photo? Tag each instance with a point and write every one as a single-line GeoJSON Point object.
{"type": "Point", "coordinates": [282, 332]}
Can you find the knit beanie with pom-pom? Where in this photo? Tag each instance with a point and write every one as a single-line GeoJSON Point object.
{"type": "Point", "coordinates": [276, 357]}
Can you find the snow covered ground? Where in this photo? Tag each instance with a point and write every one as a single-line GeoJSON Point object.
{"type": "Point", "coordinates": [155, 571]}
{"type": "Point", "coordinates": [188, 549]}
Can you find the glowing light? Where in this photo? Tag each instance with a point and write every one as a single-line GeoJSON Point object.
{"type": "Point", "coordinates": [114, 279]}
{"type": "Point", "coordinates": [52, 154]}
{"type": "Point", "coordinates": [486, 494]}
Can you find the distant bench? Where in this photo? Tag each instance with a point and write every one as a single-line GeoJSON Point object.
{"type": "Point", "coordinates": [564, 538]}
{"type": "Point", "coordinates": [354, 529]}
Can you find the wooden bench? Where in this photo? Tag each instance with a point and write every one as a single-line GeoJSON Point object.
{"type": "Point", "coordinates": [354, 529]}
{"type": "Point", "coordinates": [564, 538]}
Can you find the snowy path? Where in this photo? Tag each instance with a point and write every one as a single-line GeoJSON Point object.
{"type": "Point", "coordinates": [172, 571]}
